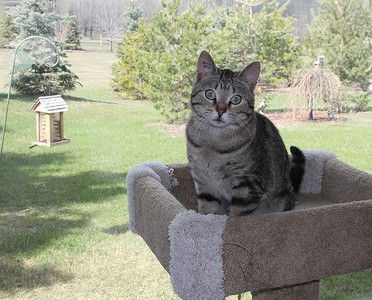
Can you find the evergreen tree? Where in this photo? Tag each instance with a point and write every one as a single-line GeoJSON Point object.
{"type": "Point", "coordinates": [157, 61]}
{"type": "Point", "coordinates": [176, 39]}
{"type": "Point", "coordinates": [132, 16]}
{"type": "Point", "coordinates": [274, 44]}
{"type": "Point", "coordinates": [127, 71]}
{"type": "Point", "coordinates": [72, 40]}
{"type": "Point", "coordinates": [8, 30]}
{"type": "Point", "coordinates": [251, 32]}
{"type": "Point", "coordinates": [341, 32]}
{"type": "Point", "coordinates": [34, 18]}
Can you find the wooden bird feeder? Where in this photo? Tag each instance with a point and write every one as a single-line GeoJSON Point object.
{"type": "Point", "coordinates": [49, 121]}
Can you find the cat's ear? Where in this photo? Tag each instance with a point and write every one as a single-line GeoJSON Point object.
{"type": "Point", "coordinates": [205, 65]}
{"type": "Point", "coordinates": [251, 73]}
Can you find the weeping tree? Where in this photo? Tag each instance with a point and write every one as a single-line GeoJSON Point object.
{"type": "Point", "coordinates": [316, 85]}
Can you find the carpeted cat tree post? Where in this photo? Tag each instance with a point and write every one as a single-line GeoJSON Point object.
{"type": "Point", "coordinates": [275, 256]}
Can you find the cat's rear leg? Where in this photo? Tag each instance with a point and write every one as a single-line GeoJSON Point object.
{"type": "Point", "coordinates": [206, 205]}
{"type": "Point", "coordinates": [275, 204]}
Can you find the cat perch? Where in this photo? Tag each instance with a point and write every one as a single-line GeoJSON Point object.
{"type": "Point", "coordinates": [275, 256]}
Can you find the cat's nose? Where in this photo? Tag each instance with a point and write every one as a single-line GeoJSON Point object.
{"type": "Point", "coordinates": [221, 108]}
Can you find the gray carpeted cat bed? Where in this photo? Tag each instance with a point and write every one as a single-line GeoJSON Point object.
{"type": "Point", "coordinates": [276, 256]}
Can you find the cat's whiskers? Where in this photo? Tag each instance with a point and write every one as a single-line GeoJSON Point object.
{"type": "Point", "coordinates": [245, 127]}
{"type": "Point", "coordinates": [199, 125]}
{"type": "Point", "coordinates": [234, 132]}
{"type": "Point", "coordinates": [236, 137]}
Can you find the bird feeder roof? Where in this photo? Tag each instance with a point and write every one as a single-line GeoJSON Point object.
{"type": "Point", "coordinates": [50, 104]}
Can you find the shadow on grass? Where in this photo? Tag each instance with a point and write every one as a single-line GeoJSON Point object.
{"type": "Point", "coordinates": [3, 97]}
{"type": "Point", "coordinates": [32, 98]}
{"type": "Point", "coordinates": [18, 97]}
{"type": "Point", "coordinates": [80, 99]}
{"type": "Point", "coordinates": [117, 230]}
{"type": "Point", "coordinates": [43, 180]}
{"type": "Point", "coordinates": [37, 213]}
{"type": "Point", "coordinates": [14, 273]}
{"type": "Point", "coordinates": [26, 232]}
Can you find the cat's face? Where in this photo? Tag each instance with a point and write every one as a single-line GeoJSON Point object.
{"type": "Point", "coordinates": [223, 98]}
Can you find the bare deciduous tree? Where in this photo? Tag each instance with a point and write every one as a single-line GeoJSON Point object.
{"type": "Point", "coordinates": [109, 19]}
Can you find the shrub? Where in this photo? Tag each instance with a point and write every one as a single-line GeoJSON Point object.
{"type": "Point", "coordinates": [158, 60]}
{"type": "Point", "coordinates": [42, 80]}
{"type": "Point", "coordinates": [358, 102]}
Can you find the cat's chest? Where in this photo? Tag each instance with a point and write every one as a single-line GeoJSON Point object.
{"type": "Point", "coordinates": [218, 172]}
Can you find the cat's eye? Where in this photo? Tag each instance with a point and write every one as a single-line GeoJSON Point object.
{"type": "Point", "coordinates": [210, 95]}
{"type": "Point", "coordinates": [235, 100]}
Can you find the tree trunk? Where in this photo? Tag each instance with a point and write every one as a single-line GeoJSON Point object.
{"type": "Point", "coordinates": [310, 116]}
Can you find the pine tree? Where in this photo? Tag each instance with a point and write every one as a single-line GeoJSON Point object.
{"type": "Point", "coordinates": [157, 61]}
{"type": "Point", "coordinates": [72, 40]}
{"type": "Point", "coordinates": [8, 30]}
{"type": "Point", "coordinates": [132, 16]}
{"type": "Point", "coordinates": [34, 18]}
{"type": "Point", "coordinates": [257, 30]}
{"type": "Point", "coordinates": [341, 32]}
{"type": "Point", "coordinates": [274, 44]}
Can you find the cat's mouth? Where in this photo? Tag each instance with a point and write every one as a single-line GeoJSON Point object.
{"type": "Point", "coordinates": [218, 122]}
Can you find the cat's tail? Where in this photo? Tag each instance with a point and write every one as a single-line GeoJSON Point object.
{"type": "Point", "coordinates": [297, 168]}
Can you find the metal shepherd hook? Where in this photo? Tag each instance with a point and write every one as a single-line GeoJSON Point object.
{"type": "Point", "coordinates": [11, 80]}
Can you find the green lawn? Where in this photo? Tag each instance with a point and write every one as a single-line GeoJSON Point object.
{"type": "Point", "coordinates": [63, 210]}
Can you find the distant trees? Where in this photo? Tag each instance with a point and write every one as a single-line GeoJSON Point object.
{"type": "Point", "coordinates": [109, 19]}
{"type": "Point", "coordinates": [159, 46]}
{"type": "Point", "coordinates": [342, 32]}
{"type": "Point", "coordinates": [102, 16]}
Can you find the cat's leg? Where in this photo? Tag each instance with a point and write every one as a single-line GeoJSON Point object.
{"type": "Point", "coordinates": [276, 203]}
{"type": "Point", "coordinates": [208, 204]}
{"type": "Point", "coordinates": [246, 197]}
{"type": "Point", "coordinates": [243, 206]}
{"type": "Point", "coordinates": [264, 205]}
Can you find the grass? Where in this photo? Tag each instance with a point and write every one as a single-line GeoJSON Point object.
{"type": "Point", "coordinates": [63, 215]}
{"type": "Point", "coordinates": [63, 210]}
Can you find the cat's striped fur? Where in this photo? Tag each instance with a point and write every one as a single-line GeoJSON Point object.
{"type": "Point", "coordinates": [237, 158]}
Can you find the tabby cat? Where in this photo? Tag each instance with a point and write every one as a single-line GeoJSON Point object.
{"type": "Point", "coordinates": [237, 158]}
